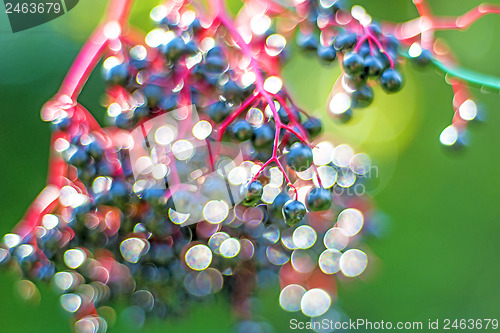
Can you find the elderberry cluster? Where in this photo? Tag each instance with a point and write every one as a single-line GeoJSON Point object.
{"type": "Point", "coordinates": [368, 56]}
{"type": "Point", "coordinates": [202, 182]}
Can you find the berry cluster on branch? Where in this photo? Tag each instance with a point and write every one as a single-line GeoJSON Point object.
{"type": "Point", "coordinates": [208, 176]}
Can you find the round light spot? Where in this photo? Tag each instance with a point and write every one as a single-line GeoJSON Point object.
{"type": "Point", "coordinates": [198, 257]}
{"type": "Point", "coordinates": [322, 153]}
{"type": "Point", "coordinates": [415, 50]}
{"type": "Point", "coordinates": [270, 192]}
{"type": "Point", "coordinates": [449, 136]}
{"type": "Point", "coordinates": [346, 178]}
{"type": "Point", "coordinates": [273, 84]}
{"type": "Point", "coordinates": [468, 110]}
{"type": "Point", "coordinates": [329, 261]}
{"type": "Point", "coordinates": [202, 130]}
{"type": "Point", "coordinates": [350, 220]}
{"type": "Point", "coordinates": [215, 211]}
{"type": "Point", "coordinates": [276, 255]}
{"type": "Point", "coordinates": [260, 24]}
{"type": "Point", "coordinates": [315, 302]}
{"type": "Point", "coordinates": [339, 104]}
{"type": "Point", "coordinates": [304, 261]}
{"type": "Point", "coordinates": [70, 302]}
{"type": "Point", "coordinates": [74, 258]}
{"type": "Point", "coordinates": [50, 221]}
{"type": "Point", "coordinates": [291, 296]}
{"type": "Point", "coordinates": [360, 164]}
{"type": "Point", "coordinates": [353, 262]}
{"type": "Point", "coordinates": [275, 43]}
{"type": "Point", "coordinates": [132, 249]}
{"type": "Point", "coordinates": [11, 240]}
{"type": "Point", "coordinates": [183, 150]}
{"type": "Point", "coordinates": [138, 52]}
{"type": "Point", "coordinates": [342, 155]}
{"type": "Point", "coordinates": [63, 280]}
{"type": "Point", "coordinates": [328, 176]}
{"type": "Point", "coordinates": [335, 238]}
{"type": "Point", "coordinates": [230, 248]}
{"type": "Point", "coordinates": [164, 135]}
{"type": "Point", "coordinates": [255, 117]}
{"type": "Point", "coordinates": [304, 237]}
{"type": "Point", "coordinates": [271, 234]}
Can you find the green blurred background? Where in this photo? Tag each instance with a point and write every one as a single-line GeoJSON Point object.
{"type": "Point", "coordinates": [440, 255]}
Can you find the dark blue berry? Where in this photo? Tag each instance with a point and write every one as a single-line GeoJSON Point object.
{"type": "Point", "coordinates": [313, 126]}
{"type": "Point", "coordinates": [254, 192]}
{"type": "Point", "coordinates": [391, 42]}
{"type": "Point", "coordinates": [191, 48]}
{"type": "Point", "coordinates": [327, 53]}
{"type": "Point", "coordinates": [308, 42]}
{"type": "Point", "coordinates": [263, 136]}
{"type": "Point", "coordinates": [391, 81]}
{"type": "Point", "coordinates": [174, 49]}
{"type": "Point", "coordinates": [168, 102]}
{"type": "Point", "coordinates": [141, 112]}
{"type": "Point", "coordinates": [79, 158]}
{"type": "Point", "coordinates": [231, 91]}
{"type": "Point", "coordinates": [61, 123]}
{"type": "Point", "coordinates": [293, 212]}
{"type": "Point", "coordinates": [215, 65]}
{"type": "Point", "coordinates": [375, 30]}
{"type": "Point", "coordinates": [153, 94]}
{"type": "Point", "coordinates": [318, 199]}
{"type": "Point", "coordinates": [218, 111]}
{"type": "Point", "coordinates": [345, 41]}
{"type": "Point", "coordinates": [423, 59]}
{"type": "Point", "coordinates": [362, 97]}
{"type": "Point", "coordinates": [364, 50]}
{"type": "Point", "coordinates": [118, 74]}
{"type": "Point", "coordinates": [356, 81]}
{"type": "Point", "coordinates": [242, 130]}
{"type": "Point", "coordinates": [94, 149]}
{"type": "Point", "coordinates": [275, 209]}
{"type": "Point", "coordinates": [123, 120]}
{"type": "Point", "coordinates": [300, 157]}
{"type": "Point", "coordinates": [373, 66]}
{"type": "Point", "coordinates": [353, 63]}
{"type": "Point", "coordinates": [195, 25]}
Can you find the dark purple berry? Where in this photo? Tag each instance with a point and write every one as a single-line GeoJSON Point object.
{"type": "Point", "coordinates": [300, 157]}
{"type": "Point", "coordinates": [293, 212]}
{"type": "Point", "coordinates": [218, 111]}
{"type": "Point", "coordinates": [254, 192]}
{"type": "Point", "coordinates": [391, 81]}
{"type": "Point", "coordinates": [345, 41]}
{"type": "Point", "coordinates": [263, 136]}
{"type": "Point", "coordinates": [423, 59]}
{"type": "Point", "coordinates": [313, 126]}
{"type": "Point", "coordinates": [308, 42]}
{"type": "Point", "coordinates": [275, 209]}
{"type": "Point", "coordinates": [353, 63]}
{"type": "Point", "coordinates": [318, 199]}
{"type": "Point", "coordinates": [362, 97]}
{"type": "Point", "coordinates": [242, 130]}
{"type": "Point", "coordinates": [373, 66]}
{"type": "Point", "coordinates": [174, 49]}
{"type": "Point", "coordinates": [327, 53]}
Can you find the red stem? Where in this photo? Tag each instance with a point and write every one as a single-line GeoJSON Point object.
{"type": "Point", "coordinates": [89, 55]}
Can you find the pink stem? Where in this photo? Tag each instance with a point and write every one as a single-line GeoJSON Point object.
{"type": "Point", "coordinates": [91, 52]}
